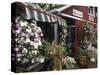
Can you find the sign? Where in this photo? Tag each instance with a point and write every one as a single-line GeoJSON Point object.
{"type": "Point", "coordinates": [91, 18]}
{"type": "Point", "coordinates": [77, 13]}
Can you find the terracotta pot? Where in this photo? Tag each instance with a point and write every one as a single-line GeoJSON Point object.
{"type": "Point", "coordinates": [83, 62]}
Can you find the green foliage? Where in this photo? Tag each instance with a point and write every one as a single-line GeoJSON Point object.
{"type": "Point", "coordinates": [49, 6]}
{"type": "Point", "coordinates": [68, 48]}
{"type": "Point", "coordinates": [43, 48]}
{"type": "Point", "coordinates": [68, 62]}
{"type": "Point", "coordinates": [92, 54]}
{"type": "Point", "coordinates": [52, 49]}
{"type": "Point", "coordinates": [54, 64]}
{"type": "Point", "coordinates": [84, 43]}
{"type": "Point", "coordinates": [86, 27]}
{"type": "Point", "coordinates": [80, 52]}
{"type": "Point", "coordinates": [57, 55]}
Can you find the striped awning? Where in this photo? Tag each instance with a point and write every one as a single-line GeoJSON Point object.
{"type": "Point", "coordinates": [33, 11]}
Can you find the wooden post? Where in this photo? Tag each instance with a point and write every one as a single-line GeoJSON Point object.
{"type": "Point", "coordinates": [55, 32]}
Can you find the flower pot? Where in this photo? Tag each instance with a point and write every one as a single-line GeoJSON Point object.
{"type": "Point", "coordinates": [83, 62]}
{"type": "Point", "coordinates": [92, 63]}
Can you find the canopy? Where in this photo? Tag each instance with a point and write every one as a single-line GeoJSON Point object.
{"type": "Point", "coordinates": [34, 12]}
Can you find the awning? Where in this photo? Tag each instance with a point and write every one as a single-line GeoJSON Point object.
{"type": "Point", "coordinates": [34, 12]}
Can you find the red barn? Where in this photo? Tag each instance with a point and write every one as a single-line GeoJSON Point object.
{"type": "Point", "coordinates": [77, 17]}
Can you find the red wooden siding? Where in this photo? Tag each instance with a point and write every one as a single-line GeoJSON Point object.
{"type": "Point", "coordinates": [79, 24]}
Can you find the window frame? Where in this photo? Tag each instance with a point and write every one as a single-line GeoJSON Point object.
{"type": "Point", "coordinates": [93, 15]}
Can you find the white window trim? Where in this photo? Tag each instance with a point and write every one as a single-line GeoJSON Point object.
{"type": "Point", "coordinates": [93, 15]}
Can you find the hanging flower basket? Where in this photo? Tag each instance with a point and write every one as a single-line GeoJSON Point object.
{"type": "Point", "coordinates": [86, 28]}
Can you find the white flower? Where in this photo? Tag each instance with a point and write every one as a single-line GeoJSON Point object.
{"type": "Point", "coordinates": [18, 55]}
{"type": "Point", "coordinates": [38, 29]}
{"type": "Point", "coordinates": [27, 40]}
{"type": "Point", "coordinates": [30, 52]}
{"type": "Point", "coordinates": [19, 28]}
{"type": "Point", "coordinates": [26, 35]}
{"type": "Point", "coordinates": [32, 43]}
{"type": "Point", "coordinates": [17, 19]}
{"type": "Point", "coordinates": [22, 34]}
{"type": "Point", "coordinates": [19, 46]}
{"type": "Point", "coordinates": [18, 31]}
{"type": "Point", "coordinates": [92, 59]}
{"type": "Point", "coordinates": [16, 49]}
{"type": "Point", "coordinates": [35, 45]}
{"type": "Point", "coordinates": [33, 61]}
{"type": "Point", "coordinates": [36, 39]}
{"type": "Point", "coordinates": [32, 34]}
{"type": "Point", "coordinates": [25, 60]}
{"type": "Point", "coordinates": [22, 38]}
{"type": "Point", "coordinates": [72, 60]}
{"type": "Point", "coordinates": [24, 50]}
{"type": "Point", "coordinates": [19, 41]}
{"type": "Point", "coordinates": [36, 34]}
{"type": "Point", "coordinates": [89, 47]}
{"type": "Point", "coordinates": [18, 24]}
{"type": "Point", "coordinates": [64, 30]}
{"type": "Point", "coordinates": [23, 23]}
{"type": "Point", "coordinates": [34, 52]}
{"type": "Point", "coordinates": [18, 59]}
{"type": "Point", "coordinates": [41, 34]}
{"type": "Point", "coordinates": [32, 24]}
{"type": "Point", "coordinates": [40, 59]}
{"type": "Point", "coordinates": [28, 30]}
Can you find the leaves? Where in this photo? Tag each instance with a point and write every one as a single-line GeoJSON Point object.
{"type": "Point", "coordinates": [26, 43]}
{"type": "Point", "coordinates": [49, 6]}
{"type": "Point", "coordinates": [86, 27]}
{"type": "Point", "coordinates": [54, 64]}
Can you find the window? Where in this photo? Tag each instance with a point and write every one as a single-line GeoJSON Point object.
{"type": "Point", "coordinates": [91, 11]}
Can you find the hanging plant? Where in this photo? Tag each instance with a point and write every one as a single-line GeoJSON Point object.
{"type": "Point", "coordinates": [86, 27]}
{"type": "Point", "coordinates": [84, 43]}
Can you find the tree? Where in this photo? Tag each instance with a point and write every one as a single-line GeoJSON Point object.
{"type": "Point", "coordinates": [49, 6]}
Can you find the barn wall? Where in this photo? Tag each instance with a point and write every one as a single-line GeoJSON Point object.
{"type": "Point", "coordinates": [79, 24]}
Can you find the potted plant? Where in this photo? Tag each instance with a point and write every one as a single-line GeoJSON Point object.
{"type": "Point", "coordinates": [81, 58]}
{"type": "Point", "coordinates": [54, 53]}
{"type": "Point", "coordinates": [92, 58]}
{"type": "Point", "coordinates": [68, 62]}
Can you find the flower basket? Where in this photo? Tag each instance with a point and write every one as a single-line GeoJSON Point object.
{"type": "Point", "coordinates": [83, 61]}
